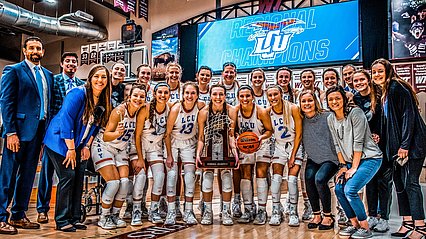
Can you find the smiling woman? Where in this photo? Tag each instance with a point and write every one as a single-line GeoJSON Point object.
{"type": "Point", "coordinates": [68, 140]}
{"type": "Point", "coordinates": [359, 158]}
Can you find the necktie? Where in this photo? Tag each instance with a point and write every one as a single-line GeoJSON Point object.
{"type": "Point", "coordinates": [70, 84]}
{"type": "Point", "coordinates": [39, 81]}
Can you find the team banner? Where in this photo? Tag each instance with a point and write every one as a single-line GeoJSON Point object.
{"type": "Point", "coordinates": [84, 55]}
{"type": "Point", "coordinates": [126, 5]}
{"type": "Point", "coordinates": [408, 29]}
{"type": "Point", "coordinates": [143, 9]}
{"type": "Point", "coordinates": [327, 33]}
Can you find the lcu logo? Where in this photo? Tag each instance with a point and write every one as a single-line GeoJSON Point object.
{"type": "Point", "coordinates": [272, 38]}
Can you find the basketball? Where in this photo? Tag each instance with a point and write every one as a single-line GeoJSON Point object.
{"type": "Point", "coordinates": [248, 142]}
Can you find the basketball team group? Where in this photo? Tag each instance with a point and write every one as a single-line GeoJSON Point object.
{"type": "Point", "coordinates": [358, 140]}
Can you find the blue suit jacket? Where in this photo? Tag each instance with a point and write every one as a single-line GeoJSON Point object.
{"type": "Point", "coordinates": [20, 100]}
{"type": "Point", "coordinates": [59, 93]}
{"type": "Point", "coordinates": [68, 123]}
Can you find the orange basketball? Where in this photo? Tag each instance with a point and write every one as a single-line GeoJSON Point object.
{"type": "Point", "coordinates": [248, 142]}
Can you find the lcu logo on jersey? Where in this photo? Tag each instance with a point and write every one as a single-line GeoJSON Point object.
{"type": "Point", "coordinates": [246, 126]}
{"type": "Point", "coordinates": [261, 102]}
{"type": "Point", "coordinates": [272, 38]}
{"type": "Point", "coordinates": [230, 96]}
{"type": "Point", "coordinates": [174, 96]}
{"type": "Point", "coordinates": [189, 118]}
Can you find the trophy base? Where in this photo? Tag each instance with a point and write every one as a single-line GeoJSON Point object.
{"type": "Point", "coordinates": [207, 162]}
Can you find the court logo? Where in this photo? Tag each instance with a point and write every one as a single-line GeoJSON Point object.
{"type": "Point", "coordinates": [272, 38]}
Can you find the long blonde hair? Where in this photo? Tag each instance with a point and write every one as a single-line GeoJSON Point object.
{"type": "Point", "coordinates": [286, 105]}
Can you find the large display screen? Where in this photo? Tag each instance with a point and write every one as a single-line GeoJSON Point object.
{"type": "Point", "coordinates": [408, 29]}
{"type": "Point", "coordinates": [327, 33]}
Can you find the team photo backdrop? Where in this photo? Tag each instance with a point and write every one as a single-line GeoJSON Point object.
{"type": "Point", "coordinates": [328, 33]}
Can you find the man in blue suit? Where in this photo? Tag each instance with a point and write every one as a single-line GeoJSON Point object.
{"type": "Point", "coordinates": [62, 83]}
{"type": "Point", "coordinates": [25, 100]}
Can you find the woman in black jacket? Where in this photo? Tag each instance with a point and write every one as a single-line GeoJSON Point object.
{"type": "Point", "coordinates": [405, 132]}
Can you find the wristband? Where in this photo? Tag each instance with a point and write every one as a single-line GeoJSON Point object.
{"type": "Point", "coordinates": [71, 149]}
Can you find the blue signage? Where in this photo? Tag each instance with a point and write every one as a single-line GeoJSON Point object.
{"type": "Point", "coordinates": [327, 33]}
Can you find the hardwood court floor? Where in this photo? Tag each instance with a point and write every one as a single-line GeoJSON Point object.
{"type": "Point", "coordinates": [215, 231]}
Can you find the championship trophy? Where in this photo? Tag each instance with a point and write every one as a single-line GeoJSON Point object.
{"type": "Point", "coordinates": [217, 148]}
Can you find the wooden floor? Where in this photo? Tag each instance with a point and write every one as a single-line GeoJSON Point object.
{"type": "Point", "coordinates": [215, 231]}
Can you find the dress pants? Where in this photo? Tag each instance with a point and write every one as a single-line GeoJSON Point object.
{"type": "Point", "coordinates": [69, 189]}
{"type": "Point", "coordinates": [17, 172]}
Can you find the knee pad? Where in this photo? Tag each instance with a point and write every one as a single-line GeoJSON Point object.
{"type": "Point", "coordinates": [292, 189]}
{"type": "Point", "coordinates": [122, 191]}
{"type": "Point", "coordinates": [139, 185]}
{"type": "Point", "coordinates": [110, 190]}
{"type": "Point", "coordinates": [172, 175]}
{"type": "Point", "coordinates": [158, 176]}
{"type": "Point", "coordinates": [276, 187]}
{"type": "Point", "coordinates": [226, 177]}
{"type": "Point", "coordinates": [262, 190]}
{"type": "Point", "coordinates": [189, 177]}
{"type": "Point", "coordinates": [207, 184]}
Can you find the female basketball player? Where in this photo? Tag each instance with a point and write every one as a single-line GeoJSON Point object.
{"type": "Point", "coordinates": [173, 76]}
{"type": "Point", "coordinates": [257, 79]}
{"type": "Point", "coordinates": [110, 156]}
{"type": "Point", "coordinates": [254, 118]}
{"type": "Point", "coordinates": [216, 124]}
{"type": "Point", "coordinates": [229, 80]}
{"type": "Point", "coordinates": [283, 79]}
{"type": "Point", "coordinates": [150, 130]}
{"type": "Point", "coordinates": [204, 75]}
{"type": "Point", "coordinates": [287, 125]}
{"type": "Point", "coordinates": [181, 140]}
{"type": "Point", "coordinates": [307, 77]}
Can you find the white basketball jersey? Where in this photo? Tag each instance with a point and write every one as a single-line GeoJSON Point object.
{"type": "Point", "coordinates": [174, 95]}
{"type": "Point", "coordinates": [232, 94]}
{"type": "Point", "coordinates": [123, 141]}
{"type": "Point", "coordinates": [261, 100]}
{"type": "Point", "coordinates": [154, 132]}
{"type": "Point", "coordinates": [185, 126]}
{"type": "Point", "coordinates": [251, 124]}
{"type": "Point", "coordinates": [204, 97]}
{"type": "Point", "coordinates": [282, 133]}
{"type": "Point", "coordinates": [149, 95]}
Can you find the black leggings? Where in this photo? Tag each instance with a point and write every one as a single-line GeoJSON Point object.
{"type": "Point", "coordinates": [316, 180]}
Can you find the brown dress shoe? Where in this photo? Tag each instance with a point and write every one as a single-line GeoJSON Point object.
{"type": "Point", "coordinates": [42, 218]}
{"type": "Point", "coordinates": [24, 223]}
{"type": "Point", "coordinates": [7, 229]}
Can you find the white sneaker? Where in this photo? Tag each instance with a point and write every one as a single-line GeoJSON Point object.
{"type": "Point", "coordinates": [226, 218]}
{"type": "Point", "coordinates": [362, 233]}
{"type": "Point", "coordinates": [372, 222]}
{"type": "Point", "coordinates": [207, 218]}
{"type": "Point", "coordinates": [382, 226]}
{"type": "Point", "coordinates": [136, 218]}
{"type": "Point", "coordinates": [294, 217]}
{"type": "Point", "coordinates": [128, 212]}
{"type": "Point", "coordinates": [261, 217]}
{"type": "Point", "coordinates": [171, 218]}
{"type": "Point", "coordinates": [307, 211]}
{"type": "Point", "coordinates": [348, 231]}
{"type": "Point", "coordinates": [155, 217]}
{"type": "Point", "coordinates": [105, 222]}
{"type": "Point", "coordinates": [118, 221]}
{"type": "Point", "coordinates": [189, 218]}
{"type": "Point", "coordinates": [276, 217]}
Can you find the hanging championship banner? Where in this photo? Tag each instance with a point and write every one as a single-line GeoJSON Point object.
{"type": "Point", "coordinates": [143, 9]}
{"type": "Point", "coordinates": [419, 72]}
{"type": "Point", "coordinates": [119, 56]}
{"type": "Point", "coordinates": [126, 5]}
{"type": "Point", "coordinates": [102, 47]}
{"type": "Point", "coordinates": [84, 56]}
{"type": "Point", "coordinates": [111, 45]}
{"type": "Point", "coordinates": [93, 57]}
